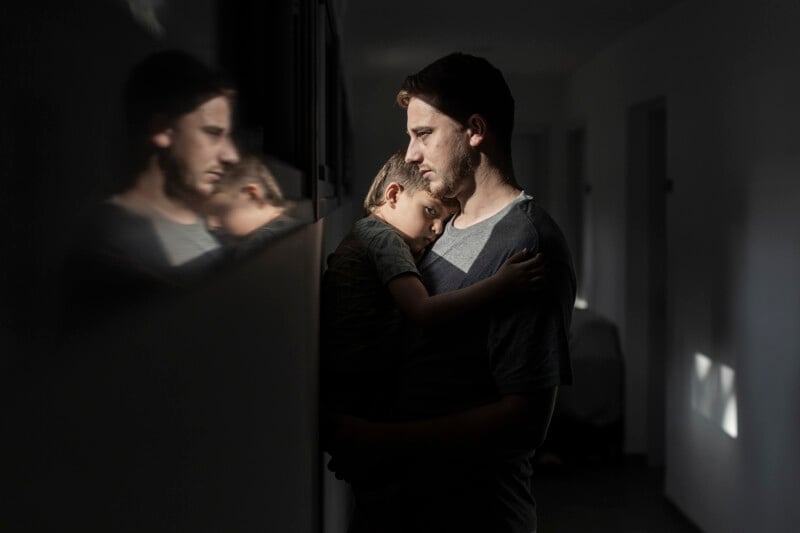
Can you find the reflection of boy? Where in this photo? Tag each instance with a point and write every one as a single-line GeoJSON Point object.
{"type": "Point", "coordinates": [248, 208]}
{"type": "Point", "coordinates": [372, 280]}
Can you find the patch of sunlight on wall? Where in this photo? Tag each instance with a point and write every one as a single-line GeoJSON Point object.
{"type": "Point", "coordinates": [714, 393]}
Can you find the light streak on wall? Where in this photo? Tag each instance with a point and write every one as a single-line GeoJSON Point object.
{"type": "Point", "coordinates": [713, 393]}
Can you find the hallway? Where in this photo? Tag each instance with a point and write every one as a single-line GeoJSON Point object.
{"type": "Point", "coordinates": [624, 498]}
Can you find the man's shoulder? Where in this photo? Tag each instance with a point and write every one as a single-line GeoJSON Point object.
{"type": "Point", "coordinates": [526, 206]}
{"type": "Point", "coordinates": [518, 222]}
{"type": "Point", "coordinates": [529, 215]}
{"type": "Point", "coordinates": [109, 226]}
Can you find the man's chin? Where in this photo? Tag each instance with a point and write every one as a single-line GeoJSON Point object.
{"type": "Point", "coordinates": [201, 189]}
{"type": "Point", "coordinates": [193, 194]}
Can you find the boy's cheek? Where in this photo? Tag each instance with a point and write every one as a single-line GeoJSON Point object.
{"type": "Point", "coordinates": [213, 223]}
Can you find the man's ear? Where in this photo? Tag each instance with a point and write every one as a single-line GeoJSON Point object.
{"type": "Point", "coordinates": [161, 131]}
{"type": "Point", "coordinates": [393, 190]}
{"type": "Point", "coordinates": [476, 129]}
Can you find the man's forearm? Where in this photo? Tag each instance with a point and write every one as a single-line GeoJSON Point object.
{"type": "Point", "coordinates": [514, 421]}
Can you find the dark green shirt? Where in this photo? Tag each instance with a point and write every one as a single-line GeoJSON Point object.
{"type": "Point", "coordinates": [359, 319]}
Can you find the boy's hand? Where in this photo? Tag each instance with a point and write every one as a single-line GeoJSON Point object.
{"type": "Point", "coordinates": [520, 271]}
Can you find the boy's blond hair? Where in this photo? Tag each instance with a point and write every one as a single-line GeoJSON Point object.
{"type": "Point", "coordinates": [395, 169]}
{"type": "Point", "coordinates": [251, 169]}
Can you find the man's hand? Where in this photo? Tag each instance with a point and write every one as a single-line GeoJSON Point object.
{"type": "Point", "coordinates": [346, 434]}
{"type": "Point", "coordinates": [350, 442]}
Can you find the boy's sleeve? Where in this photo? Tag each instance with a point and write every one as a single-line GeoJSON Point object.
{"type": "Point", "coordinates": [391, 255]}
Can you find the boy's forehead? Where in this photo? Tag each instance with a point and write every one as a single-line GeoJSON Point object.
{"type": "Point", "coordinates": [445, 203]}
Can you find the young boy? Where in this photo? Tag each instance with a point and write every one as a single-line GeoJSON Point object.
{"type": "Point", "coordinates": [247, 207]}
{"type": "Point", "coordinates": [372, 280]}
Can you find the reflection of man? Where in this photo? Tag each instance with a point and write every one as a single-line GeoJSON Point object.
{"type": "Point", "coordinates": [151, 237]}
{"type": "Point", "coordinates": [474, 399]}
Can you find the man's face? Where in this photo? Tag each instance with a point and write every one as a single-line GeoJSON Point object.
{"type": "Point", "coordinates": [439, 145]}
{"type": "Point", "coordinates": [199, 148]}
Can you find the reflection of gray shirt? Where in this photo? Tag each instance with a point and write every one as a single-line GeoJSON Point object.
{"type": "Point", "coordinates": [123, 259]}
{"type": "Point", "coordinates": [359, 317]}
{"type": "Point", "coordinates": [183, 242]}
{"type": "Point", "coordinates": [177, 243]}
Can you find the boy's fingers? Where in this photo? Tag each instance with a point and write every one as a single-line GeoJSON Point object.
{"type": "Point", "coordinates": [537, 259]}
{"type": "Point", "coordinates": [518, 257]}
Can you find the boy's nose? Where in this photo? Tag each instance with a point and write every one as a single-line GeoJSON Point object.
{"type": "Point", "coordinates": [213, 223]}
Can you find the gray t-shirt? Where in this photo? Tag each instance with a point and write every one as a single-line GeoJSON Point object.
{"type": "Point", "coordinates": [516, 346]}
{"type": "Point", "coordinates": [359, 319]}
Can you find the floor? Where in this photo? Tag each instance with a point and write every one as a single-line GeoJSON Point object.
{"type": "Point", "coordinates": [623, 496]}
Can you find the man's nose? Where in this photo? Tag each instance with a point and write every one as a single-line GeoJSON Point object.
{"type": "Point", "coordinates": [413, 153]}
{"type": "Point", "coordinates": [229, 153]}
{"type": "Point", "coordinates": [437, 227]}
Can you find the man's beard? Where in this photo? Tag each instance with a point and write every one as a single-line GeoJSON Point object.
{"type": "Point", "coordinates": [462, 170]}
{"type": "Point", "coordinates": [175, 179]}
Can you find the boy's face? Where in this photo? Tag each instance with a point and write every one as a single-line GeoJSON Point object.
{"type": "Point", "coordinates": [420, 218]}
{"type": "Point", "coordinates": [233, 214]}
{"type": "Point", "coordinates": [199, 147]}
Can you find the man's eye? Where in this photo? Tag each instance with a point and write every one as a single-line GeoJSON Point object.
{"type": "Point", "coordinates": [216, 132]}
{"type": "Point", "coordinates": [430, 211]}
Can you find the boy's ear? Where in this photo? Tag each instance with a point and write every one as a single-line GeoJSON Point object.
{"type": "Point", "coordinates": [393, 190]}
{"type": "Point", "coordinates": [476, 129]}
{"type": "Point", "coordinates": [160, 132]}
{"type": "Point", "coordinates": [253, 192]}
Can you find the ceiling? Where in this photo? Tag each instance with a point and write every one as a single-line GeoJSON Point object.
{"type": "Point", "coordinates": [541, 38]}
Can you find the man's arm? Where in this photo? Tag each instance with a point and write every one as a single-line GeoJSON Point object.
{"type": "Point", "coordinates": [516, 421]}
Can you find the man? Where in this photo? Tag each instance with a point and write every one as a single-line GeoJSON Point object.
{"type": "Point", "coordinates": [151, 239]}
{"type": "Point", "coordinates": [473, 399]}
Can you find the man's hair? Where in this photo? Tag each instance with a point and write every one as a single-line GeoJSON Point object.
{"type": "Point", "coordinates": [395, 169]}
{"type": "Point", "coordinates": [167, 84]}
{"type": "Point", "coordinates": [460, 85]}
{"type": "Point", "coordinates": [251, 169]}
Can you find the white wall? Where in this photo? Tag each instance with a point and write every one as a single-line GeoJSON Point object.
{"type": "Point", "coordinates": [730, 75]}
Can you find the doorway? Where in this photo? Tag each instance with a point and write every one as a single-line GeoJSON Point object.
{"type": "Point", "coordinates": [647, 187]}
